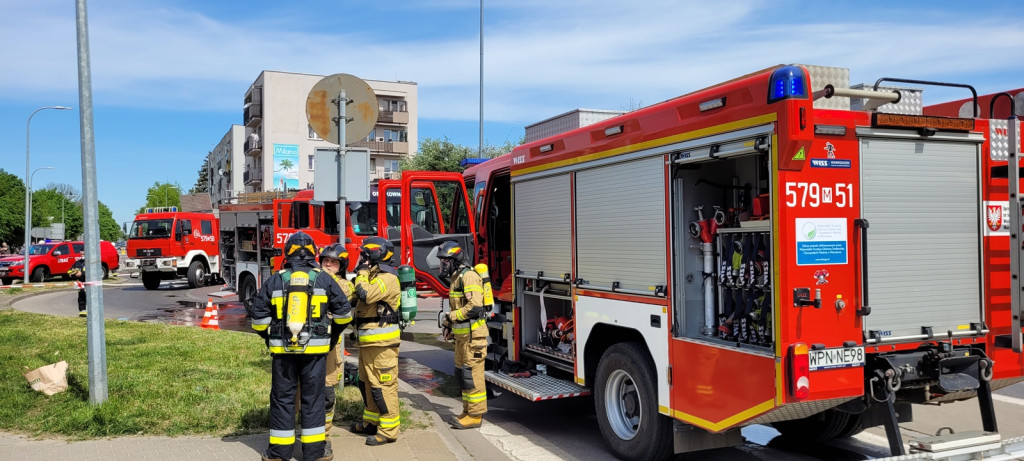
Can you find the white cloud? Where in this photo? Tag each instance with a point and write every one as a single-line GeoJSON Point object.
{"type": "Point", "coordinates": [540, 55]}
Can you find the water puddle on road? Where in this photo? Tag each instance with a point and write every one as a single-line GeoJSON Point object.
{"type": "Point", "coordinates": [230, 315]}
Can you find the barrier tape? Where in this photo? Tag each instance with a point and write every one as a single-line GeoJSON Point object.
{"type": "Point", "coordinates": [78, 285]}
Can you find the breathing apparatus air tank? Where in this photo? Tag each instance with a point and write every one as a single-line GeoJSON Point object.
{"type": "Point", "coordinates": [407, 281]}
{"type": "Point", "coordinates": [488, 291]}
{"type": "Point", "coordinates": [298, 308]}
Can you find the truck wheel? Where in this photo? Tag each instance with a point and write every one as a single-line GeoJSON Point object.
{"type": "Point", "coordinates": [627, 405]}
{"type": "Point", "coordinates": [246, 290]}
{"type": "Point", "coordinates": [150, 280]}
{"type": "Point", "coordinates": [196, 274]}
{"type": "Point", "coordinates": [822, 427]}
{"type": "Point", "coordinates": [106, 272]}
{"type": "Point", "coordinates": [39, 274]}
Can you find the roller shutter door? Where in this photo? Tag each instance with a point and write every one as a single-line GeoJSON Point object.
{"type": "Point", "coordinates": [921, 201]}
{"type": "Point", "coordinates": [543, 236]}
{"type": "Point", "coordinates": [620, 224]}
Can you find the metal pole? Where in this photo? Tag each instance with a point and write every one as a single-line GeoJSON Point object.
{"type": "Point", "coordinates": [480, 149]}
{"type": "Point", "coordinates": [342, 121]}
{"type": "Point", "coordinates": [28, 187]}
{"type": "Point", "coordinates": [90, 198]}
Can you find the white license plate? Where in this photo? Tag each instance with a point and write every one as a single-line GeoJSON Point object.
{"type": "Point", "coordinates": [3, 271]}
{"type": "Point", "coordinates": [840, 357]}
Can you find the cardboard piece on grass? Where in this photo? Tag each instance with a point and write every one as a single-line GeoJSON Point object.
{"type": "Point", "coordinates": [49, 379]}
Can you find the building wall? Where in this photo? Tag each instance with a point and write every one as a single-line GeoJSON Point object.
{"type": "Point", "coordinates": [228, 156]}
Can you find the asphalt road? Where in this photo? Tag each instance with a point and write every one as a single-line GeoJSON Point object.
{"type": "Point", "coordinates": [558, 429]}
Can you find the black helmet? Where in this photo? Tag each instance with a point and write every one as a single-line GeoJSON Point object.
{"type": "Point", "coordinates": [336, 251]}
{"type": "Point", "coordinates": [376, 250]}
{"type": "Point", "coordinates": [300, 246]}
{"type": "Point", "coordinates": [452, 256]}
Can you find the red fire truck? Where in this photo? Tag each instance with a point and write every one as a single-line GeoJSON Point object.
{"type": "Point", "coordinates": [165, 244]}
{"type": "Point", "coordinates": [705, 263]}
{"type": "Point", "coordinates": [254, 227]}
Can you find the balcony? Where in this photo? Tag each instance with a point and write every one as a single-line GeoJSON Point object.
{"type": "Point", "coordinates": [252, 177]}
{"type": "Point", "coordinates": [383, 146]}
{"type": "Point", "coordinates": [390, 116]}
{"type": "Point", "coordinates": [253, 114]}
{"type": "Point", "coordinates": [253, 145]}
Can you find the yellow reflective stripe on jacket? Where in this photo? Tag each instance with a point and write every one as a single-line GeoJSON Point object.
{"type": "Point", "coordinates": [476, 288]}
{"type": "Point", "coordinates": [462, 328]}
{"type": "Point", "coordinates": [380, 284]}
{"type": "Point", "coordinates": [386, 423]}
{"type": "Point", "coordinates": [456, 294]}
{"type": "Point", "coordinates": [310, 350]}
{"type": "Point", "coordinates": [319, 298]}
{"type": "Point", "coordinates": [277, 300]}
{"type": "Point", "coordinates": [379, 334]}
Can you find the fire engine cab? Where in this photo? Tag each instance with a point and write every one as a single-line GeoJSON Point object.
{"type": "Point", "coordinates": [164, 244]}
{"type": "Point", "coordinates": [781, 248]}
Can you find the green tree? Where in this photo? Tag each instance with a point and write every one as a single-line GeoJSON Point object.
{"type": "Point", "coordinates": [12, 209]}
{"type": "Point", "coordinates": [203, 180]}
{"type": "Point", "coordinates": [109, 229]}
{"type": "Point", "coordinates": [162, 195]}
{"type": "Point", "coordinates": [51, 205]}
{"type": "Point", "coordinates": [444, 155]}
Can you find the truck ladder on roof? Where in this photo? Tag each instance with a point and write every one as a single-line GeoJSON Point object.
{"type": "Point", "coordinates": [537, 387]}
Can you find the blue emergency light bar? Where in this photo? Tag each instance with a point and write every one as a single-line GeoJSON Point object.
{"type": "Point", "coordinates": [472, 161]}
{"type": "Point", "coordinates": [788, 82]}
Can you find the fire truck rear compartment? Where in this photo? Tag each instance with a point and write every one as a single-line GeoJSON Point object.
{"type": "Point", "coordinates": [724, 202]}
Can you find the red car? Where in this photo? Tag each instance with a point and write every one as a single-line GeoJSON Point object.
{"type": "Point", "coordinates": [46, 259]}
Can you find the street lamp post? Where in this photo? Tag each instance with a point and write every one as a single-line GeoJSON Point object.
{"type": "Point", "coordinates": [28, 185]}
{"type": "Point", "coordinates": [28, 215]}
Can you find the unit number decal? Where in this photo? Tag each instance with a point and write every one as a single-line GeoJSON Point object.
{"type": "Point", "coordinates": [812, 194]}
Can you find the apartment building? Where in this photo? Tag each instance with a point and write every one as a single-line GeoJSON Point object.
{"type": "Point", "coordinates": [223, 171]}
{"type": "Point", "coordinates": [279, 143]}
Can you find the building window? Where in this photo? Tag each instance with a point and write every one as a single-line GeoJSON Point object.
{"type": "Point", "coordinates": [392, 105]}
{"type": "Point", "coordinates": [313, 135]}
{"type": "Point", "coordinates": [393, 136]}
{"type": "Point", "coordinates": [310, 157]}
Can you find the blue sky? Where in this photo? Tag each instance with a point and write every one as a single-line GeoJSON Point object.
{"type": "Point", "coordinates": [168, 77]}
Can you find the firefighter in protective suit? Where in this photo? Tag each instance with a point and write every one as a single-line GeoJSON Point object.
{"type": "Point", "coordinates": [467, 322]}
{"type": "Point", "coordinates": [290, 312]}
{"type": "Point", "coordinates": [377, 316]}
{"type": "Point", "coordinates": [333, 260]}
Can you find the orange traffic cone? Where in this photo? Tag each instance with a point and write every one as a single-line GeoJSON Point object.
{"type": "Point", "coordinates": [210, 316]}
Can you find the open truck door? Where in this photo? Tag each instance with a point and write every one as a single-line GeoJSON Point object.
{"type": "Point", "coordinates": [435, 208]}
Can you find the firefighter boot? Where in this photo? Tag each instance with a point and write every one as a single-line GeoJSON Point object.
{"type": "Point", "coordinates": [362, 427]}
{"type": "Point", "coordinates": [263, 457]}
{"type": "Point", "coordinates": [328, 453]}
{"type": "Point", "coordinates": [378, 439]}
{"type": "Point", "coordinates": [467, 422]}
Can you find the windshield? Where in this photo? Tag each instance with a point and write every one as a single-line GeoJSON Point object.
{"type": "Point", "coordinates": [151, 228]}
{"type": "Point", "coordinates": [364, 214]}
{"type": "Point", "coordinates": [39, 249]}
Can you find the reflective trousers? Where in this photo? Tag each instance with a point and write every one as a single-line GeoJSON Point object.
{"type": "Point", "coordinates": [378, 371]}
{"type": "Point", "coordinates": [288, 372]}
{"type": "Point", "coordinates": [470, 355]}
{"type": "Point", "coordinates": [335, 368]}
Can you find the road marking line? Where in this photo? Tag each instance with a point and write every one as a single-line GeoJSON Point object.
{"type": "Point", "coordinates": [1008, 399]}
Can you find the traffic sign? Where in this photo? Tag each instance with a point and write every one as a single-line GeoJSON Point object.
{"type": "Point", "coordinates": [322, 110]}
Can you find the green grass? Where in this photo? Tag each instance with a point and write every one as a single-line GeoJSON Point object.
{"type": "Point", "coordinates": [162, 380]}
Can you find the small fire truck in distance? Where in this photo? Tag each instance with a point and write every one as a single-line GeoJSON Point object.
{"type": "Point", "coordinates": [164, 244]}
{"type": "Point", "coordinates": [780, 248]}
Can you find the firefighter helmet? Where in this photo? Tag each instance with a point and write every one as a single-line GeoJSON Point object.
{"type": "Point", "coordinates": [376, 250]}
{"type": "Point", "coordinates": [300, 246]}
{"type": "Point", "coordinates": [336, 251]}
{"type": "Point", "coordinates": [452, 256]}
